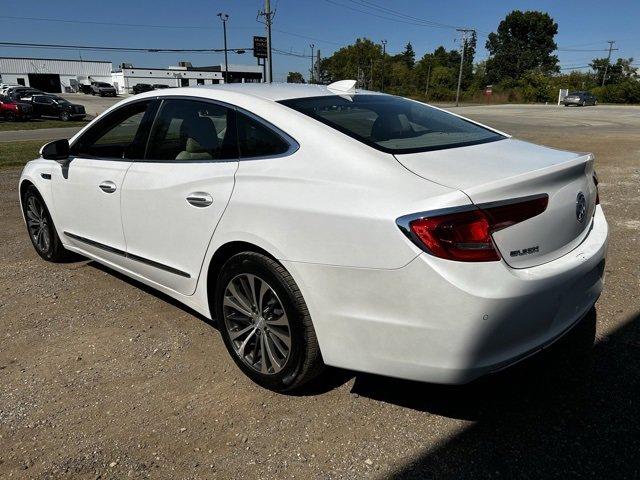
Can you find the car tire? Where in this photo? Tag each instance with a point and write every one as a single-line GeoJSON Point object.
{"type": "Point", "coordinates": [268, 333]}
{"type": "Point", "coordinates": [584, 103]}
{"type": "Point", "coordinates": [41, 229]}
{"type": "Point", "coordinates": [10, 117]}
{"type": "Point", "coordinates": [64, 116]}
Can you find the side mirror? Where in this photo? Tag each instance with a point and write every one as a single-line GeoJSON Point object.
{"type": "Point", "coordinates": [57, 150]}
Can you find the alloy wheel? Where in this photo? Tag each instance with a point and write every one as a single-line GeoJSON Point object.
{"type": "Point", "coordinates": [38, 224]}
{"type": "Point", "coordinates": [257, 324]}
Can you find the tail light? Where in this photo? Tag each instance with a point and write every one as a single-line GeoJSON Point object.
{"type": "Point", "coordinates": [466, 236]}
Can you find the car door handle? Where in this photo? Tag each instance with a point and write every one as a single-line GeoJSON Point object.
{"type": "Point", "coordinates": [200, 199]}
{"type": "Point", "coordinates": [108, 186]}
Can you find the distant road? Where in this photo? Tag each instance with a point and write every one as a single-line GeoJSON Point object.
{"type": "Point", "coordinates": [40, 134]}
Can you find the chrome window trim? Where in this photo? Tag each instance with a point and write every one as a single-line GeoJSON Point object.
{"type": "Point", "coordinates": [288, 139]}
{"type": "Point", "coordinates": [97, 120]}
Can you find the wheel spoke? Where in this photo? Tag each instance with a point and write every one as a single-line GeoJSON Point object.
{"type": "Point", "coordinates": [244, 343]}
{"type": "Point", "coordinates": [31, 216]}
{"type": "Point", "coordinates": [263, 358]}
{"type": "Point", "coordinates": [264, 289]}
{"type": "Point", "coordinates": [283, 349]}
{"type": "Point", "coordinates": [251, 281]}
{"type": "Point", "coordinates": [45, 237]}
{"type": "Point", "coordinates": [233, 303]}
{"type": "Point", "coordinates": [283, 337]}
{"type": "Point", "coordinates": [279, 321]}
{"type": "Point", "coordinates": [238, 333]}
{"type": "Point", "coordinates": [272, 358]}
{"type": "Point", "coordinates": [241, 298]}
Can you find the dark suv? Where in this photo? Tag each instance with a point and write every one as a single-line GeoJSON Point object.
{"type": "Point", "coordinates": [54, 106]}
{"type": "Point", "coordinates": [103, 89]}
{"type": "Point", "coordinates": [141, 87]}
{"type": "Point", "coordinates": [580, 99]}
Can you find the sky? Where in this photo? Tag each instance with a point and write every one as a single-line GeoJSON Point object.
{"type": "Point", "coordinates": [583, 28]}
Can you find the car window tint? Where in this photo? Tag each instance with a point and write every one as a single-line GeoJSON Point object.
{"type": "Point", "coordinates": [257, 140]}
{"type": "Point", "coordinates": [118, 135]}
{"type": "Point", "coordinates": [393, 124]}
{"type": "Point", "coordinates": [192, 130]}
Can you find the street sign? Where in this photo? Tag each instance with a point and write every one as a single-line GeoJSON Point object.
{"type": "Point", "coordinates": [260, 47]}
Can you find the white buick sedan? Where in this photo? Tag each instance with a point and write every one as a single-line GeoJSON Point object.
{"type": "Point", "coordinates": [323, 225]}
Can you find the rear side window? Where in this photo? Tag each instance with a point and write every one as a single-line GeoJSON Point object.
{"type": "Point", "coordinates": [192, 130]}
{"type": "Point", "coordinates": [257, 140]}
{"type": "Point", "coordinates": [393, 124]}
{"type": "Point", "coordinates": [118, 135]}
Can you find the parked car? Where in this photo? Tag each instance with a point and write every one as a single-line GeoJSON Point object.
{"type": "Point", "coordinates": [18, 93]}
{"type": "Point", "coordinates": [580, 99]}
{"type": "Point", "coordinates": [14, 110]}
{"type": "Point", "coordinates": [103, 89]}
{"type": "Point", "coordinates": [84, 88]}
{"type": "Point", "coordinates": [324, 225]}
{"type": "Point", "coordinates": [56, 107]}
{"type": "Point", "coordinates": [141, 87]}
{"type": "Point", "coordinates": [6, 86]}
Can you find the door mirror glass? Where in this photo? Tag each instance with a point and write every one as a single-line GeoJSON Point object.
{"type": "Point", "coordinates": [58, 150]}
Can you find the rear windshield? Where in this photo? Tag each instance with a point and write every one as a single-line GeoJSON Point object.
{"type": "Point", "coordinates": [393, 124]}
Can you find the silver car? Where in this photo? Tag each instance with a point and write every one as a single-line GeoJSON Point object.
{"type": "Point", "coordinates": [580, 99]}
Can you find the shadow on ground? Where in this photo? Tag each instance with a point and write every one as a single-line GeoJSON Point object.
{"type": "Point", "coordinates": [573, 411]}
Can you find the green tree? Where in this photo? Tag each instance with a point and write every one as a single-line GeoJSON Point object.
{"type": "Point", "coordinates": [408, 56]}
{"type": "Point", "coordinates": [523, 42]}
{"type": "Point", "coordinates": [617, 72]}
{"type": "Point", "coordinates": [357, 61]}
{"type": "Point", "coordinates": [295, 77]}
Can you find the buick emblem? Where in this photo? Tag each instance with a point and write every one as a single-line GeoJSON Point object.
{"type": "Point", "coordinates": [581, 207]}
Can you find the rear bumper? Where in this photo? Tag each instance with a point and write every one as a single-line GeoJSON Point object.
{"type": "Point", "coordinates": [449, 322]}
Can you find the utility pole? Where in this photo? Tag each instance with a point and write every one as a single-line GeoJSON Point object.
{"type": "Point", "coordinates": [224, 17]}
{"type": "Point", "coordinates": [384, 53]}
{"type": "Point", "coordinates": [318, 79]}
{"type": "Point", "coordinates": [464, 32]}
{"type": "Point", "coordinates": [426, 90]}
{"type": "Point", "coordinates": [606, 67]}
{"type": "Point", "coordinates": [312, 73]}
{"type": "Point", "coordinates": [268, 18]}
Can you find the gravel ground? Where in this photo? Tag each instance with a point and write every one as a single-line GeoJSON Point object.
{"type": "Point", "coordinates": [103, 378]}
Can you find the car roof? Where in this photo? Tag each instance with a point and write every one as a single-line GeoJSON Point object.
{"type": "Point", "coordinates": [280, 91]}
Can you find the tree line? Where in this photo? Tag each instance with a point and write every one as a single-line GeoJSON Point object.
{"type": "Point", "coordinates": [521, 67]}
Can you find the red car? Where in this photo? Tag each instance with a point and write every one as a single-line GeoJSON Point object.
{"type": "Point", "coordinates": [14, 110]}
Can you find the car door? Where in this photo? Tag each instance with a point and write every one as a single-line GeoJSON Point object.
{"type": "Point", "coordinates": [87, 187]}
{"type": "Point", "coordinates": [173, 200]}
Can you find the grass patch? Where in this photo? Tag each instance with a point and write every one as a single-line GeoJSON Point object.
{"type": "Point", "coordinates": [13, 154]}
{"type": "Point", "coordinates": [37, 124]}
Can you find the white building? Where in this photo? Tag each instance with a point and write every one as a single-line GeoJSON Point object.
{"type": "Point", "coordinates": [183, 75]}
{"type": "Point", "coordinates": [53, 75]}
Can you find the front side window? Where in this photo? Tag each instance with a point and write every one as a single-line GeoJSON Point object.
{"type": "Point", "coordinates": [192, 130]}
{"type": "Point", "coordinates": [118, 135]}
{"type": "Point", "coordinates": [257, 140]}
{"type": "Point", "coordinates": [393, 124]}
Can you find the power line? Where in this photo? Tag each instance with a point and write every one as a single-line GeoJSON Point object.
{"type": "Point", "coordinates": [147, 25]}
{"type": "Point", "coordinates": [374, 6]}
{"type": "Point", "coordinates": [118, 49]}
{"type": "Point", "coordinates": [398, 20]}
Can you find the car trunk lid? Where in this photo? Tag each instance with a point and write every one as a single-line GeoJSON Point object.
{"type": "Point", "coordinates": [502, 172]}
